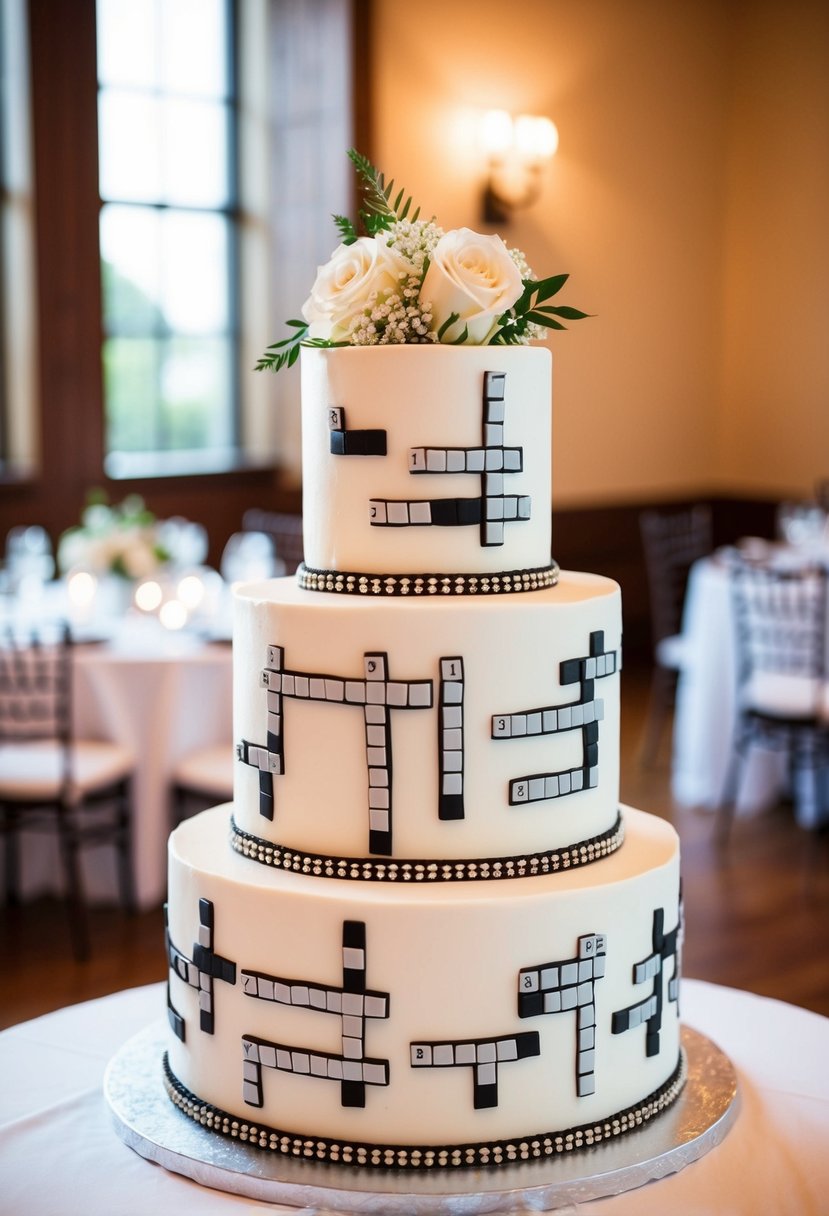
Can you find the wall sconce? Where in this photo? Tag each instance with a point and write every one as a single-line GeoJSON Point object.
{"type": "Point", "coordinates": [517, 149]}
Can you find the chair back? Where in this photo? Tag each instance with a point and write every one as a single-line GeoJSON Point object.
{"type": "Point", "coordinates": [780, 618]}
{"type": "Point", "coordinates": [285, 531]}
{"type": "Point", "coordinates": [672, 541]}
{"type": "Point", "coordinates": [35, 685]}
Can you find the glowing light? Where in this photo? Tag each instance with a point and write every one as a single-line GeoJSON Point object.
{"type": "Point", "coordinates": [148, 595]}
{"type": "Point", "coordinates": [191, 591]}
{"type": "Point", "coordinates": [536, 138]}
{"type": "Point", "coordinates": [495, 133]}
{"type": "Point", "coordinates": [173, 614]}
{"type": "Point", "coordinates": [81, 587]}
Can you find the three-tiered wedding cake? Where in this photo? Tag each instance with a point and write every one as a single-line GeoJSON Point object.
{"type": "Point", "coordinates": [425, 933]}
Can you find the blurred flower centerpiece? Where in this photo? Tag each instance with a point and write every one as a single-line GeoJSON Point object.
{"type": "Point", "coordinates": [121, 556]}
{"type": "Point", "coordinates": [397, 278]}
{"type": "Point", "coordinates": [120, 539]}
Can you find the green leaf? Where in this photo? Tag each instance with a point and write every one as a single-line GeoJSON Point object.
{"type": "Point", "coordinates": [539, 318]}
{"type": "Point", "coordinates": [563, 310]}
{"type": "Point", "coordinates": [544, 289]}
{"type": "Point", "coordinates": [459, 341]}
{"type": "Point", "coordinates": [377, 196]}
{"type": "Point", "coordinates": [346, 229]}
{"type": "Point", "coordinates": [450, 320]}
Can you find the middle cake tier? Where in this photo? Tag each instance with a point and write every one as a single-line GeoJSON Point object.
{"type": "Point", "coordinates": [433, 739]}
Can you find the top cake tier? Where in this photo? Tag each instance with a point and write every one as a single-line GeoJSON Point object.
{"type": "Point", "coordinates": [427, 460]}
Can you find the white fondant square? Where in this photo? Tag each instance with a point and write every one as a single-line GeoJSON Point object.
{"type": "Point", "coordinates": [319, 1066]}
{"type": "Point", "coordinates": [300, 1062]}
{"type": "Point", "coordinates": [267, 1055]}
{"type": "Point", "coordinates": [302, 686]}
{"type": "Point", "coordinates": [377, 512]}
{"type": "Point", "coordinates": [398, 512]}
{"type": "Point", "coordinates": [375, 693]}
{"type": "Point", "coordinates": [512, 459]}
{"type": "Point", "coordinates": [507, 1049]}
{"type": "Point", "coordinates": [316, 998]}
{"type": "Point", "coordinates": [576, 780]}
{"type": "Point", "coordinates": [354, 958]}
{"type": "Point", "coordinates": [374, 1074]}
{"type": "Point", "coordinates": [299, 994]}
{"type": "Point", "coordinates": [501, 728]}
{"type": "Point", "coordinates": [378, 819]}
{"type": "Point", "coordinates": [475, 458]}
{"type": "Point", "coordinates": [378, 777]}
{"type": "Point", "coordinates": [317, 688]}
{"type": "Point", "coordinates": [421, 1055]}
{"type": "Point", "coordinates": [577, 715]}
{"type": "Point", "coordinates": [334, 1001]}
{"type": "Point", "coordinates": [549, 977]}
{"type": "Point", "coordinates": [570, 973]}
{"type": "Point", "coordinates": [436, 460]}
{"type": "Point", "coordinates": [452, 783]}
{"type": "Point", "coordinates": [335, 1070]}
{"type": "Point", "coordinates": [355, 692]}
{"type": "Point", "coordinates": [494, 460]}
{"type": "Point", "coordinates": [599, 967]}
{"type": "Point", "coordinates": [417, 460]}
{"type": "Point", "coordinates": [452, 762]}
{"type": "Point", "coordinates": [493, 484]}
{"type": "Point", "coordinates": [590, 669]}
{"type": "Point", "coordinates": [352, 1070]}
{"type": "Point", "coordinates": [594, 778]}
{"type": "Point", "coordinates": [352, 1048]}
{"type": "Point", "coordinates": [334, 690]}
{"type": "Point", "coordinates": [552, 1001]}
{"type": "Point", "coordinates": [487, 1074]}
{"type": "Point", "coordinates": [494, 508]}
{"type": "Point", "coordinates": [375, 1007]}
{"type": "Point", "coordinates": [569, 999]}
{"type": "Point", "coordinates": [564, 784]}
{"type": "Point", "coordinates": [376, 756]}
{"type": "Point", "coordinates": [551, 786]}
{"type": "Point", "coordinates": [465, 1053]}
{"type": "Point", "coordinates": [420, 693]}
{"type": "Point", "coordinates": [494, 533]}
{"type": "Point", "coordinates": [282, 992]}
{"type": "Point", "coordinates": [352, 1002]}
{"type": "Point", "coordinates": [586, 1085]}
{"type": "Point", "coordinates": [378, 798]}
{"type": "Point", "coordinates": [251, 1060]}
{"type": "Point", "coordinates": [565, 717]}
{"type": "Point", "coordinates": [375, 735]}
{"type": "Point", "coordinates": [288, 685]}
{"type": "Point", "coordinates": [452, 692]}
{"type": "Point", "coordinates": [396, 693]}
{"type": "Point", "coordinates": [455, 460]}
{"type": "Point", "coordinates": [585, 993]}
{"type": "Point", "coordinates": [265, 988]}
{"type": "Point", "coordinates": [443, 1054]}
{"type": "Point", "coordinates": [528, 981]}
{"type": "Point", "coordinates": [534, 724]}
{"type": "Point", "coordinates": [586, 969]}
{"type": "Point", "coordinates": [420, 512]}
{"type": "Point", "coordinates": [375, 713]}
{"type": "Point", "coordinates": [537, 789]}
{"type": "Point", "coordinates": [524, 506]}
{"type": "Point", "coordinates": [518, 791]}
{"type": "Point", "coordinates": [518, 725]}
{"type": "Point", "coordinates": [452, 716]}
{"type": "Point", "coordinates": [452, 740]}
{"type": "Point", "coordinates": [493, 434]}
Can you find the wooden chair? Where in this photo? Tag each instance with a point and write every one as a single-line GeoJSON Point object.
{"type": "Point", "coordinates": [285, 530]}
{"type": "Point", "coordinates": [50, 780]}
{"type": "Point", "coordinates": [780, 621]}
{"type": "Point", "coordinates": [672, 542]}
{"type": "Point", "coordinates": [201, 779]}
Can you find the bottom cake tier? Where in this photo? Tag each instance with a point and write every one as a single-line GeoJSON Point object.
{"type": "Point", "coordinates": [461, 1024]}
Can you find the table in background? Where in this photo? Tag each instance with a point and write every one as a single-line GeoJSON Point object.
{"type": "Point", "coordinates": [60, 1155]}
{"type": "Point", "coordinates": [161, 701]}
{"type": "Point", "coordinates": [706, 706]}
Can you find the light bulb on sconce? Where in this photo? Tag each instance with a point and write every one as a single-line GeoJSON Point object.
{"type": "Point", "coordinates": [516, 149]}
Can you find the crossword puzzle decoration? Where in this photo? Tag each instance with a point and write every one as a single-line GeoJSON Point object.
{"type": "Point", "coordinates": [490, 461]}
{"type": "Point", "coordinates": [450, 700]}
{"type": "Point", "coordinates": [353, 443]}
{"type": "Point", "coordinates": [375, 693]}
{"type": "Point", "coordinates": [583, 714]}
{"type": "Point", "coordinates": [649, 1010]}
{"type": "Point", "coordinates": [481, 1055]}
{"type": "Point", "coordinates": [199, 972]}
{"type": "Point", "coordinates": [353, 1003]}
{"type": "Point", "coordinates": [569, 985]}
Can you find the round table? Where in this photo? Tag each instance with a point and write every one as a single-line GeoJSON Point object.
{"type": "Point", "coordinates": [59, 1154]}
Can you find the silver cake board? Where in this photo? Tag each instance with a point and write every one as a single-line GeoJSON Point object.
{"type": "Point", "coordinates": [147, 1121]}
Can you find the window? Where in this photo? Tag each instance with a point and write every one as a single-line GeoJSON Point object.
{"type": "Point", "coordinates": [17, 307]}
{"type": "Point", "coordinates": [168, 186]}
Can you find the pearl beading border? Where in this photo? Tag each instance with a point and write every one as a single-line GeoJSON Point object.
{"type": "Point", "coordinates": [504, 582]}
{"type": "Point", "coordinates": [371, 869]}
{"type": "Point", "coordinates": [420, 1157]}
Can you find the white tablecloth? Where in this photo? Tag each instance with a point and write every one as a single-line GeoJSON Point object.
{"type": "Point", "coordinates": [161, 703]}
{"type": "Point", "coordinates": [59, 1155]}
{"type": "Point", "coordinates": [706, 702]}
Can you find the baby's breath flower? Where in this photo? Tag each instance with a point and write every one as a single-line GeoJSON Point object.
{"type": "Point", "coordinates": [520, 261]}
{"type": "Point", "coordinates": [415, 240]}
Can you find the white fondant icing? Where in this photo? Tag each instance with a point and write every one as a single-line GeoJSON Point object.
{"type": "Point", "coordinates": [512, 648]}
{"type": "Point", "coordinates": [423, 398]}
{"type": "Point", "coordinates": [449, 958]}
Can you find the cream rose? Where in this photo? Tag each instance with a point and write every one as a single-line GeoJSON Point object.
{"type": "Point", "coordinates": [343, 285]}
{"type": "Point", "coordinates": [474, 276]}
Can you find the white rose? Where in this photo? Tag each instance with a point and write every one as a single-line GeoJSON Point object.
{"type": "Point", "coordinates": [474, 276]}
{"type": "Point", "coordinates": [343, 285]}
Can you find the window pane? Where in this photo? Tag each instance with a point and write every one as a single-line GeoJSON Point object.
{"type": "Point", "coordinates": [131, 388]}
{"type": "Point", "coordinates": [195, 153]}
{"type": "Point", "coordinates": [195, 57]}
{"type": "Point", "coordinates": [195, 293]}
{"type": "Point", "coordinates": [195, 389]}
{"type": "Point", "coordinates": [131, 269]}
{"type": "Point", "coordinates": [130, 146]}
{"type": "Point", "coordinates": [128, 42]}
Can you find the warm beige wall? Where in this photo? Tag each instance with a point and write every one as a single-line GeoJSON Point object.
{"type": "Point", "coordinates": [636, 207]}
{"type": "Point", "coordinates": [774, 435]}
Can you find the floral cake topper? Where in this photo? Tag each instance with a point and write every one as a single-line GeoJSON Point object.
{"type": "Point", "coordinates": [397, 278]}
